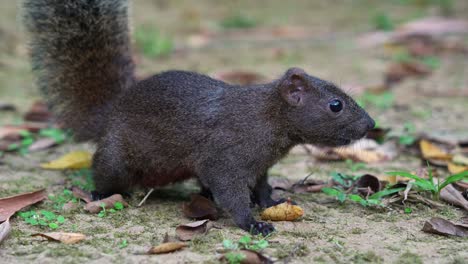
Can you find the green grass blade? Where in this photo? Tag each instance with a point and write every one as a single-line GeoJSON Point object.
{"type": "Point", "coordinates": [454, 178]}
{"type": "Point", "coordinates": [424, 184]}
{"type": "Point", "coordinates": [385, 192]}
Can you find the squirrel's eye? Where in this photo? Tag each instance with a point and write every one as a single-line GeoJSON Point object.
{"type": "Point", "coordinates": [335, 105]}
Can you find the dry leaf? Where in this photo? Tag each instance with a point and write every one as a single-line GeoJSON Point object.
{"type": "Point", "coordinates": [11, 131]}
{"type": "Point", "coordinates": [200, 208]}
{"type": "Point", "coordinates": [38, 112]}
{"type": "Point", "coordinates": [166, 247]}
{"type": "Point", "coordinates": [109, 202]}
{"type": "Point", "coordinates": [186, 232]}
{"type": "Point", "coordinates": [10, 205]}
{"type": "Point", "coordinates": [451, 195]}
{"type": "Point", "coordinates": [66, 238]}
{"type": "Point", "coordinates": [282, 212]}
{"type": "Point", "coordinates": [41, 144]}
{"type": "Point", "coordinates": [444, 227]}
{"type": "Point", "coordinates": [309, 185]}
{"type": "Point", "coordinates": [72, 160]}
{"type": "Point", "coordinates": [368, 185]}
{"type": "Point", "coordinates": [455, 168]}
{"type": "Point", "coordinates": [432, 26]}
{"type": "Point", "coordinates": [5, 229]}
{"type": "Point", "coordinates": [251, 257]}
{"type": "Point", "coordinates": [81, 194]}
{"type": "Point", "coordinates": [368, 151]}
{"type": "Point", "coordinates": [431, 151]}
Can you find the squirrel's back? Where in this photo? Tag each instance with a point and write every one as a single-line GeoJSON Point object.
{"type": "Point", "coordinates": [80, 51]}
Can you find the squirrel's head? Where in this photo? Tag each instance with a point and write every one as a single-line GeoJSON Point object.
{"type": "Point", "coordinates": [318, 112]}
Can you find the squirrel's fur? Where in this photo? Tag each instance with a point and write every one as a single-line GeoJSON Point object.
{"type": "Point", "coordinates": [177, 125]}
{"type": "Point", "coordinates": [81, 52]}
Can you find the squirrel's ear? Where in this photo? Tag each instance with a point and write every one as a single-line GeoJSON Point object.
{"type": "Point", "coordinates": [293, 86]}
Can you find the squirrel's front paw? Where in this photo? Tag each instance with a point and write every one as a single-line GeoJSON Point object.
{"type": "Point", "coordinates": [261, 228]}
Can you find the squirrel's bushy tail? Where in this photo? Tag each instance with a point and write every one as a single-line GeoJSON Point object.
{"type": "Point", "coordinates": [80, 51]}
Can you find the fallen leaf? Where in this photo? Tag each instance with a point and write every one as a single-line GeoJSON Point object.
{"type": "Point", "coordinates": [72, 160]}
{"type": "Point", "coordinates": [460, 159]}
{"type": "Point", "coordinates": [10, 205]}
{"type": "Point", "coordinates": [282, 212]}
{"type": "Point", "coordinates": [200, 208]}
{"type": "Point", "coordinates": [444, 227]}
{"type": "Point", "coordinates": [309, 185]}
{"type": "Point", "coordinates": [109, 202]}
{"type": "Point", "coordinates": [455, 168]}
{"type": "Point", "coordinates": [368, 151]}
{"type": "Point", "coordinates": [38, 112]}
{"type": "Point", "coordinates": [430, 150]}
{"type": "Point", "coordinates": [432, 26]}
{"type": "Point", "coordinates": [186, 232]}
{"type": "Point", "coordinates": [398, 71]}
{"type": "Point", "coordinates": [5, 229]}
{"type": "Point", "coordinates": [81, 194]}
{"type": "Point", "coordinates": [66, 238]}
{"type": "Point", "coordinates": [249, 257]}
{"type": "Point", "coordinates": [9, 130]}
{"type": "Point", "coordinates": [166, 247]}
{"type": "Point", "coordinates": [42, 144]}
{"type": "Point", "coordinates": [368, 185]}
{"type": "Point", "coordinates": [452, 196]}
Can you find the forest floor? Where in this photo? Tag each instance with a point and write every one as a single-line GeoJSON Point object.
{"type": "Point", "coordinates": [325, 39]}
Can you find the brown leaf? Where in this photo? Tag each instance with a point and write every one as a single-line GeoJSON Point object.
{"type": "Point", "coordinates": [66, 238]}
{"type": "Point", "coordinates": [250, 257]}
{"type": "Point", "coordinates": [42, 144]}
{"type": "Point", "coordinates": [109, 202]}
{"type": "Point", "coordinates": [5, 229]}
{"type": "Point", "coordinates": [396, 72]}
{"type": "Point", "coordinates": [368, 151]}
{"type": "Point", "coordinates": [10, 205]}
{"type": "Point", "coordinates": [368, 185]}
{"type": "Point", "coordinates": [13, 132]}
{"type": "Point", "coordinates": [309, 185]}
{"type": "Point", "coordinates": [200, 208]}
{"type": "Point", "coordinates": [430, 150]}
{"type": "Point", "coordinates": [166, 247]}
{"type": "Point", "coordinates": [81, 194]}
{"type": "Point", "coordinates": [186, 232]}
{"type": "Point", "coordinates": [38, 112]}
{"type": "Point", "coordinates": [432, 26]}
{"type": "Point", "coordinates": [456, 168]}
{"type": "Point", "coordinates": [451, 195]}
{"type": "Point", "coordinates": [282, 212]}
{"type": "Point", "coordinates": [444, 227]}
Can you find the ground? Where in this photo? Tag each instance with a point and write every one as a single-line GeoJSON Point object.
{"type": "Point", "coordinates": [325, 46]}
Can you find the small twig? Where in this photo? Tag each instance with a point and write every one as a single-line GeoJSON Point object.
{"type": "Point", "coordinates": [146, 197]}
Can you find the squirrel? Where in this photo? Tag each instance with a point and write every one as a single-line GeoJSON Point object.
{"type": "Point", "coordinates": [176, 125]}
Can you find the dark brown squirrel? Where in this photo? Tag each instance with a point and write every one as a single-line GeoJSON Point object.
{"type": "Point", "coordinates": [176, 125]}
